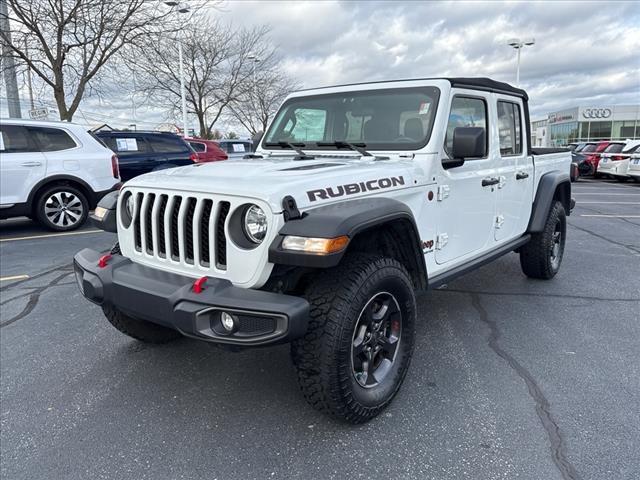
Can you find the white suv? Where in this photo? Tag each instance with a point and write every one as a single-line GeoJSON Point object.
{"type": "Point", "coordinates": [53, 172]}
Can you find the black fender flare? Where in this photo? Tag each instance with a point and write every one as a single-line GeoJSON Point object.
{"type": "Point", "coordinates": [345, 218]}
{"type": "Point", "coordinates": [555, 185]}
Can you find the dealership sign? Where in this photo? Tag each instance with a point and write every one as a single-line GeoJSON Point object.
{"type": "Point", "coordinates": [596, 113]}
{"type": "Point", "coordinates": [561, 117]}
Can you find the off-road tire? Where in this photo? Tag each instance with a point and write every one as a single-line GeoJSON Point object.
{"type": "Point", "coordinates": [323, 357]}
{"type": "Point", "coordinates": [78, 207]}
{"type": "Point", "coordinates": [536, 257]}
{"type": "Point", "coordinates": [139, 329]}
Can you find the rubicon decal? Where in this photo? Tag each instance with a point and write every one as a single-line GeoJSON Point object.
{"type": "Point", "coordinates": [353, 188]}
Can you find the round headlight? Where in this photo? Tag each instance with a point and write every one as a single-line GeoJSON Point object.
{"type": "Point", "coordinates": [255, 224]}
{"type": "Point", "coordinates": [129, 205]}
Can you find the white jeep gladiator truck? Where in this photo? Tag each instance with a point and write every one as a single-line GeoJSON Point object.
{"type": "Point", "coordinates": [358, 197]}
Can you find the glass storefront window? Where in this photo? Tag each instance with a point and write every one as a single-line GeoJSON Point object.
{"type": "Point", "coordinates": [563, 133]}
{"type": "Point", "coordinates": [600, 131]}
{"type": "Point", "coordinates": [623, 130]}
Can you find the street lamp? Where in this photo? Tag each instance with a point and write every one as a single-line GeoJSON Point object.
{"type": "Point", "coordinates": [181, 8]}
{"type": "Point", "coordinates": [255, 60]}
{"type": "Point", "coordinates": [518, 45]}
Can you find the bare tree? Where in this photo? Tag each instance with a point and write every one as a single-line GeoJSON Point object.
{"type": "Point", "coordinates": [255, 108]}
{"type": "Point", "coordinates": [67, 43]}
{"type": "Point", "coordinates": [217, 64]}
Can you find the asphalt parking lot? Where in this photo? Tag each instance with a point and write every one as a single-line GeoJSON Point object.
{"type": "Point", "coordinates": [511, 378]}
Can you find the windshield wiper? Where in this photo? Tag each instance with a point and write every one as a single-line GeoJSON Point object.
{"type": "Point", "coordinates": [293, 146]}
{"type": "Point", "coordinates": [358, 147]}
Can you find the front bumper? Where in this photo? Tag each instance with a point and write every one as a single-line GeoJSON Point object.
{"type": "Point", "coordinates": [168, 299]}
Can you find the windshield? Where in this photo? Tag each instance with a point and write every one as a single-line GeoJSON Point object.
{"type": "Point", "coordinates": [397, 119]}
{"type": "Point", "coordinates": [589, 148]}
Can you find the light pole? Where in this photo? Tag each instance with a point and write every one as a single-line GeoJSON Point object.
{"type": "Point", "coordinates": [182, 8]}
{"type": "Point", "coordinates": [255, 61]}
{"type": "Point", "coordinates": [518, 45]}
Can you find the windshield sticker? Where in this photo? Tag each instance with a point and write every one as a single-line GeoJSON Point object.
{"type": "Point", "coordinates": [238, 147]}
{"type": "Point", "coordinates": [127, 144]}
{"type": "Point", "coordinates": [424, 108]}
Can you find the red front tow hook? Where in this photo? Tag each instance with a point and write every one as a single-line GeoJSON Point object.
{"type": "Point", "coordinates": [102, 262]}
{"type": "Point", "coordinates": [198, 285]}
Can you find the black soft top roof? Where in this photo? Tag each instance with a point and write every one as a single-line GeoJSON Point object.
{"type": "Point", "coordinates": [474, 83]}
{"type": "Point", "coordinates": [484, 83]}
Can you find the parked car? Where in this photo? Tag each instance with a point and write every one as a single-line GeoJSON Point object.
{"type": "Point", "coordinates": [207, 150]}
{"type": "Point", "coordinates": [634, 165]}
{"type": "Point", "coordinates": [53, 172]}
{"type": "Point", "coordinates": [141, 152]}
{"type": "Point", "coordinates": [614, 160]}
{"type": "Point", "coordinates": [236, 149]}
{"type": "Point", "coordinates": [589, 157]}
{"type": "Point", "coordinates": [325, 244]}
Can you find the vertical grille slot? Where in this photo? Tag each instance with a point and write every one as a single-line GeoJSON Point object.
{"type": "Point", "coordinates": [220, 237]}
{"type": "Point", "coordinates": [148, 224]}
{"type": "Point", "coordinates": [136, 223]}
{"type": "Point", "coordinates": [175, 248]}
{"type": "Point", "coordinates": [205, 259]}
{"type": "Point", "coordinates": [162, 248]}
{"type": "Point", "coordinates": [188, 234]}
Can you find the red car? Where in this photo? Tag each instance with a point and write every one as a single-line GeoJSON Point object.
{"type": "Point", "coordinates": [206, 150]}
{"type": "Point", "coordinates": [590, 157]}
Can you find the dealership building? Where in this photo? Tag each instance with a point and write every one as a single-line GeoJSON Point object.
{"type": "Point", "coordinates": [589, 123]}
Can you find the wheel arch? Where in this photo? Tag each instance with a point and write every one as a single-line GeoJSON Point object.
{"type": "Point", "coordinates": [553, 186]}
{"type": "Point", "coordinates": [375, 225]}
{"type": "Point", "coordinates": [54, 180]}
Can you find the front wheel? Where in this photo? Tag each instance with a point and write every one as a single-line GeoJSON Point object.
{"type": "Point", "coordinates": [359, 343]}
{"type": "Point", "coordinates": [542, 256]}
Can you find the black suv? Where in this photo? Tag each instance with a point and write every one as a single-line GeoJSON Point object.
{"type": "Point", "coordinates": [142, 152]}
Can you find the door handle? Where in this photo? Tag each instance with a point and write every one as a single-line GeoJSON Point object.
{"type": "Point", "coordinates": [522, 175]}
{"type": "Point", "coordinates": [31, 164]}
{"type": "Point", "coordinates": [490, 181]}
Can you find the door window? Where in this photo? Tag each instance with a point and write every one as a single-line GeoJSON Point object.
{"type": "Point", "coordinates": [126, 144]}
{"type": "Point", "coordinates": [509, 128]}
{"type": "Point", "coordinates": [197, 146]}
{"type": "Point", "coordinates": [16, 139]}
{"type": "Point", "coordinates": [52, 139]}
{"type": "Point", "coordinates": [166, 144]}
{"type": "Point", "coordinates": [465, 112]}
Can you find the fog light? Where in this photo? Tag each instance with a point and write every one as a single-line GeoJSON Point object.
{"type": "Point", "coordinates": [228, 322]}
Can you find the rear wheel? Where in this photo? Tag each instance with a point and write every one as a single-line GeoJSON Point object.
{"type": "Point", "coordinates": [359, 343]}
{"type": "Point", "coordinates": [542, 256]}
{"type": "Point", "coordinates": [62, 208]}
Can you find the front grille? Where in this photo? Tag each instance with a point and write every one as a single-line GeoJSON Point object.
{"type": "Point", "coordinates": [186, 229]}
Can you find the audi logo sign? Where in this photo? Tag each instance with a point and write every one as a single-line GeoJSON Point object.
{"type": "Point", "coordinates": [596, 113]}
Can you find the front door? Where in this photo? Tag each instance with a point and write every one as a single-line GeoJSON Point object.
{"type": "Point", "coordinates": [515, 171]}
{"type": "Point", "coordinates": [466, 194]}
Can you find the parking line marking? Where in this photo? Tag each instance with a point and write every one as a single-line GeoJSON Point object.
{"type": "Point", "coordinates": [600, 193]}
{"type": "Point", "coordinates": [611, 216]}
{"type": "Point", "coordinates": [607, 203]}
{"type": "Point", "coordinates": [62, 234]}
{"type": "Point", "coordinates": [15, 277]}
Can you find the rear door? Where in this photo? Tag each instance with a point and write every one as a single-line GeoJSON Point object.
{"type": "Point", "coordinates": [22, 165]}
{"type": "Point", "coordinates": [515, 170]}
{"type": "Point", "coordinates": [466, 207]}
{"type": "Point", "coordinates": [170, 150]}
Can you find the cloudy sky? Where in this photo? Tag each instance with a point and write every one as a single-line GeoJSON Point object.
{"type": "Point", "coordinates": [585, 52]}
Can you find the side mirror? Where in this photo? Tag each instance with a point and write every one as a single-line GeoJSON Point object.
{"type": "Point", "coordinates": [468, 142]}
